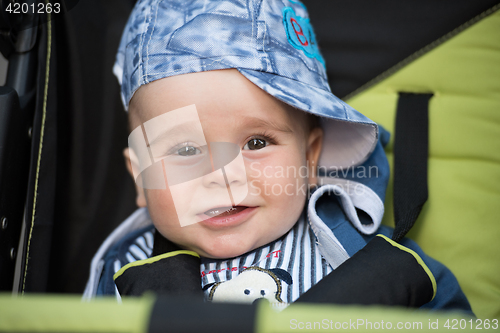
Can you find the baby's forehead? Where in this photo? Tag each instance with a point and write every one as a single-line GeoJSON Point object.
{"type": "Point", "coordinates": [223, 94]}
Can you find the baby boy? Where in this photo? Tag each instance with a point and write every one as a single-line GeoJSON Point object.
{"type": "Point", "coordinates": [231, 115]}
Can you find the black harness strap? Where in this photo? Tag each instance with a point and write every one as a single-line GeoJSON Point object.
{"type": "Point", "coordinates": [411, 149]}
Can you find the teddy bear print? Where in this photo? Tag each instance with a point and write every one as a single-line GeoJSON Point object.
{"type": "Point", "coordinates": [250, 285]}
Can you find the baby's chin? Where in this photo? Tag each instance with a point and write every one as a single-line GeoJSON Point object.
{"type": "Point", "coordinates": [226, 251]}
{"type": "Point", "coordinates": [233, 245]}
{"type": "Point", "coordinates": [222, 253]}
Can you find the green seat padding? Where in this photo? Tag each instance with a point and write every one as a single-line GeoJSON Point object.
{"type": "Point", "coordinates": [460, 223]}
{"type": "Point", "coordinates": [67, 313]}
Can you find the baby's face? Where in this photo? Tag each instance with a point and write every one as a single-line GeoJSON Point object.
{"type": "Point", "coordinates": [276, 148]}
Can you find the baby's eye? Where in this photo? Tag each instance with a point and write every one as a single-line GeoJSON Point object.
{"type": "Point", "coordinates": [255, 144]}
{"type": "Point", "coordinates": [188, 151]}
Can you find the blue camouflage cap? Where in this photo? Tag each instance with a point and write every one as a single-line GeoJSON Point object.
{"type": "Point", "coordinates": [270, 42]}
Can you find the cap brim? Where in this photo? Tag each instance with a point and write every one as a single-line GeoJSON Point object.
{"type": "Point", "coordinates": [351, 136]}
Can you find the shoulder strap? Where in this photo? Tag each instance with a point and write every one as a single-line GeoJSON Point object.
{"type": "Point", "coordinates": [410, 160]}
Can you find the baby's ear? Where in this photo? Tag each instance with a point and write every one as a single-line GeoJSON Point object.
{"type": "Point", "coordinates": [314, 144]}
{"type": "Point", "coordinates": [129, 162]}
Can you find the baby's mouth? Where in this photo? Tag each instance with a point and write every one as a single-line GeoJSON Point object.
{"type": "Point", "coordinates": [225, 211]}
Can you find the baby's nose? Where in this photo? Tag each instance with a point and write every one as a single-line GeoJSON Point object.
{"type": "Point", "coordinates": [215, 179]}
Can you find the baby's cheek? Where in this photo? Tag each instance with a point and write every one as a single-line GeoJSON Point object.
{"type": "Point", "coordinates": [294, 191]}
{"type": "Point", "coordinates": [161, 207]}
{"type": "Point", "coordinates": [254, 174]}
{"type": "Point", "coordinates": [287, 193]}
{"type": "Point", "coordinates": [293, 187]}
{"type": "Point", "coordinates": [278, 177]}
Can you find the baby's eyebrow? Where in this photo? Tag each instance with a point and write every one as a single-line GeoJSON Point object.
{"type": "Point", "coordinates": [254, 122]}
{"type": "Point", "coordinates": [187, 127]}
